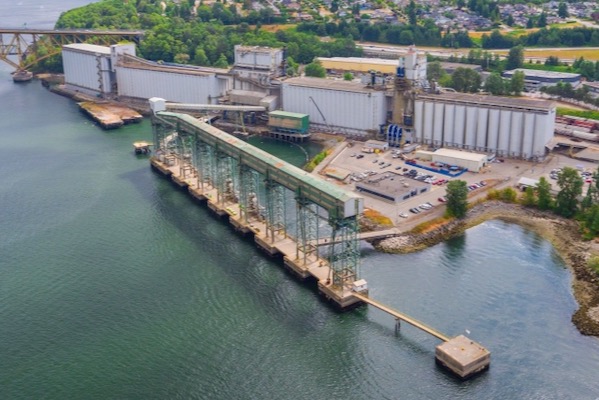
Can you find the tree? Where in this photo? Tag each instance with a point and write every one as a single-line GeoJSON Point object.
{"type": "Point", "coordinates": [221, 62]}
{"type": "Point", "coordinates": [495, 84]}
{"type": "Point", "coordinates": [315, 69]}
{"type": "Point", "coordinates": [510, 20]}
{"type": "Point", "coordinates": [457, 199]}
{"type": "Point", "coordinates": [517, 83]}
{"type": "Point", "coordinates": [466, 80]}
{"type": "Point", "coordinates": [515, 58]}
{"type": "Point", "coordinates": [434, 71]}
{"type": "Point", "coordinates": [542, 21]}
{"type": "Point", "coordinates": [529, 199]}
{"type": "Point", "coordinates": [570, 184]}
{"type": "Point", "coordinates": [562, 10]}
{"type": "Point", "coordinates": [348, 76]}
{"type": "Point", "coordinates": [544, 200]}
{"type": "Point", "coordinates": [411, 11]}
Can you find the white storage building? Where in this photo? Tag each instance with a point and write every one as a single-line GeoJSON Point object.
{"type": "Point", "coordinates": [509, 127]}
{"type": "Point", "coordinates": [341, 106]}
{"type": "Point", "coordinates": [139, 78]}
{"type": "Point", "coordinates": [89, 68]}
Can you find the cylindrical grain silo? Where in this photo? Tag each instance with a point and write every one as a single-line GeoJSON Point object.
{"type": "Point", "coordinates": [470, 135]}
{"type": "Point", "coordinates": [438, 124]}
{"type": "Point", "coordinates": [418, 120]}
{"type": "Point", "coordinates": [503, 144]}
{"type": "Point", "coordinates": [515, 146]}
{"type": "Point", "coordinates": [459, 123]}
{"type": "Point", "coordinates": [493, 133]}
{"type": "Point", "coordinates": [528, 135]}
{"type": "Point", "coordinates": [429, 115]}
{"type": "Point", "coordinates": [448, 127]}
{"type": "Point", "coordinates": [482, 129]}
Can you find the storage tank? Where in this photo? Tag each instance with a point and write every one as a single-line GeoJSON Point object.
{"type": "Point", "coordinates": [459, 123]}
{"type": "Point", "coordinates": [528, 136]}
{"type": "Point", "coordinates": [503, 144]}
{"type": "Point", "coordinates": [470, 135]}
{"type": "Point", "coordinates": [539, 141]}
{"type": "Point", "coordinates": [438, 124]}
{"type": "Point", "coordinates": [418, 120]}
{"type": "Point", "coordinates": [448, 119]}
{"type": "Point", "coordinates": [429, 115]}
{"type": "Point", "coordinates": [87, 68]}
{"type": "Point", "coordinates": [482, 129]}
{"type": "Point", "coordinates": [493, 130]}
{"type": "Point", "coordinates": [516, 130]}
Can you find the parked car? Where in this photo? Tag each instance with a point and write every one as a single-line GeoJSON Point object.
{"type": "Point", "coordinates": [442, 199]}
{"type": "Point", "coordinates": [403, 215]}
{"type": "Point", "coordinates": [360, 156]}
{"type": "Point", "coordinates": [415, 210]}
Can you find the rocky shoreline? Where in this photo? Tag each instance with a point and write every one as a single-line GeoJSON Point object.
{"type": "Point", "coordinates": [562, 233]}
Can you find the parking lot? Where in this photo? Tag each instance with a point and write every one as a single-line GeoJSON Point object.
{"type": "Point", "coordinates": [382, 168]}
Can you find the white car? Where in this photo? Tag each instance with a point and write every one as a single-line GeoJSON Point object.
{"type": "Point", "coordinates": [403, 215]}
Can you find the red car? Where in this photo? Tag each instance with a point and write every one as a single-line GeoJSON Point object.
{"type": "Point", "coordinates": [442, 199]}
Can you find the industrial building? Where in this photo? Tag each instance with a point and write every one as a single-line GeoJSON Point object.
{"type": "Point", "coordinates": [334, 105]}
{"type": "Point", "coordinates": [473, 162]}
{"type": "Point", "coordinates": [508, 127]}
{"type": "Point", "coordinates": [395, 189]}
{"type": "Point", "coordinates": [400, 106]}
{"type": "Point", "coordinates": [139, 78]}
{"type": "Point", "coordinates": [535, 79]}
{"type": "Point", "coordinates": [90, 69]}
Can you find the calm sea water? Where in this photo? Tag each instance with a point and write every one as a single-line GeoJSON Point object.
{"type": "Point", "coordinates": [113, 285]}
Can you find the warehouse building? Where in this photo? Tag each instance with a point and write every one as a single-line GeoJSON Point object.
{"type": "Point", "coordinates": [508, 127]}
{"type": "Point", "coordinates": [535, 79]}
{"type": "Point", "coordinates": [89, 68]}
{"type": "Point", "coordinates": [334, 105]}
{"type": "Point", "coordinates": [473, 162]}
{"type": "Point", "coordinates": [142, 79]}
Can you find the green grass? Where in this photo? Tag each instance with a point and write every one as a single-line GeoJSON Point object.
{"type": "Point", "coordinates": [543, 67]}
{"type": "Point", "coordinates": [578, 113]}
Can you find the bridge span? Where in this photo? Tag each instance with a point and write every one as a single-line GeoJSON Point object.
{"type": "Point", "coordinates": [16, 42]}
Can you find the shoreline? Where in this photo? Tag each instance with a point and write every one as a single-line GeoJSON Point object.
{"type": "Point", "coordinates": [563, 234]}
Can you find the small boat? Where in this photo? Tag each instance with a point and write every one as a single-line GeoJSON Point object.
{"type": "Point", "coordinates": [142, 147]}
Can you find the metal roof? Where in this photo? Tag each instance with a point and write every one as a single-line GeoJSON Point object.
{"type": "Point", "coordinates": [531, 73]}
{"type": "Point", "coordinates": [289, 114]}
{"type": "Point", "coordinates": [488, 100]}
{"type": "Point", "coordinates": [87, 48]}
{"type": "Point", "coordinates": [464, 155]}
{"type": "Point", "coordinates": [338, 202]}
{"type": "Point", "coordinates": [330, 84]}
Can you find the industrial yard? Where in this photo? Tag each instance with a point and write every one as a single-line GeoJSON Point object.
{"type": "Point", "coordinates": [497, 174]}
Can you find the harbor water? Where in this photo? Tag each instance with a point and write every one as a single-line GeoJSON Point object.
{"type": "Point", "coordinates": [114, 285]}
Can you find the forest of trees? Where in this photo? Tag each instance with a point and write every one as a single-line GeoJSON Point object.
{"type": "Point", "coordinates": [186, 39]}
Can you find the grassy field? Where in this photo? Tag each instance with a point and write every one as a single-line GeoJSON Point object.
{"type": "Point", "coordinates": [562, 54]}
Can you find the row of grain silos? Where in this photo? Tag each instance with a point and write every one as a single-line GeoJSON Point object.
{"type": "Point", "coordinates": [508, 127]}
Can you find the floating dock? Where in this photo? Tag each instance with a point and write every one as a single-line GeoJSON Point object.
{"type": "Point", "coordinates": [460, 355]}
{"type": "Point", "coordinates": [110, 116]}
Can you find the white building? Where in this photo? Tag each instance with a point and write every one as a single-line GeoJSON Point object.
{"type": "Point", "coordinates": [509, 127]}
{"type": "Point", "coordinates": [142, 79]}
{"type": "Point", "coordinates": [341, 106]}
{"type": "Point", "coordinates": [464, 159]}
{"type": "Point", "coordinates": [535, 79]}
{"type": "Point", "coordinates": [89, 68]}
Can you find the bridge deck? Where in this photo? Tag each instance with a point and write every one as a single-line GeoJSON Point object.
{"type": "Point", "coordinates": [403, 317]}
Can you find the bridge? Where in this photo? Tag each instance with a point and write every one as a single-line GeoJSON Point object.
{"type": "Point", "coordinates": [17, 42]}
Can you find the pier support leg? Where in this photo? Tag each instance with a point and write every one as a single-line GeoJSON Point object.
{"type": "Point", "coordinates": [397, 326]}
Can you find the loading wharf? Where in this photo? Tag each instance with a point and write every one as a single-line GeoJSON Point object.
{"type": "Point", "coordinates": [250, 188]}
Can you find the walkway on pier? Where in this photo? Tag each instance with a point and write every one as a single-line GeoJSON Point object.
{"type": "Point", "coordinates": [403, 317]}
{"type": "Point", "coordinates": [387, 233]}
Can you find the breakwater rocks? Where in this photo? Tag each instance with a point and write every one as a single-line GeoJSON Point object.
{"type": "Point", "coordinates": [564, 235]}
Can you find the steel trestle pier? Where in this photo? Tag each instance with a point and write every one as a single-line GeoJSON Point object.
{"type": "Point", "coordinates": [252, 189]}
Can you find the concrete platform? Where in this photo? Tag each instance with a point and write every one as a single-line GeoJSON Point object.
{"type": "Point", "coordinates": [463, 356]}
